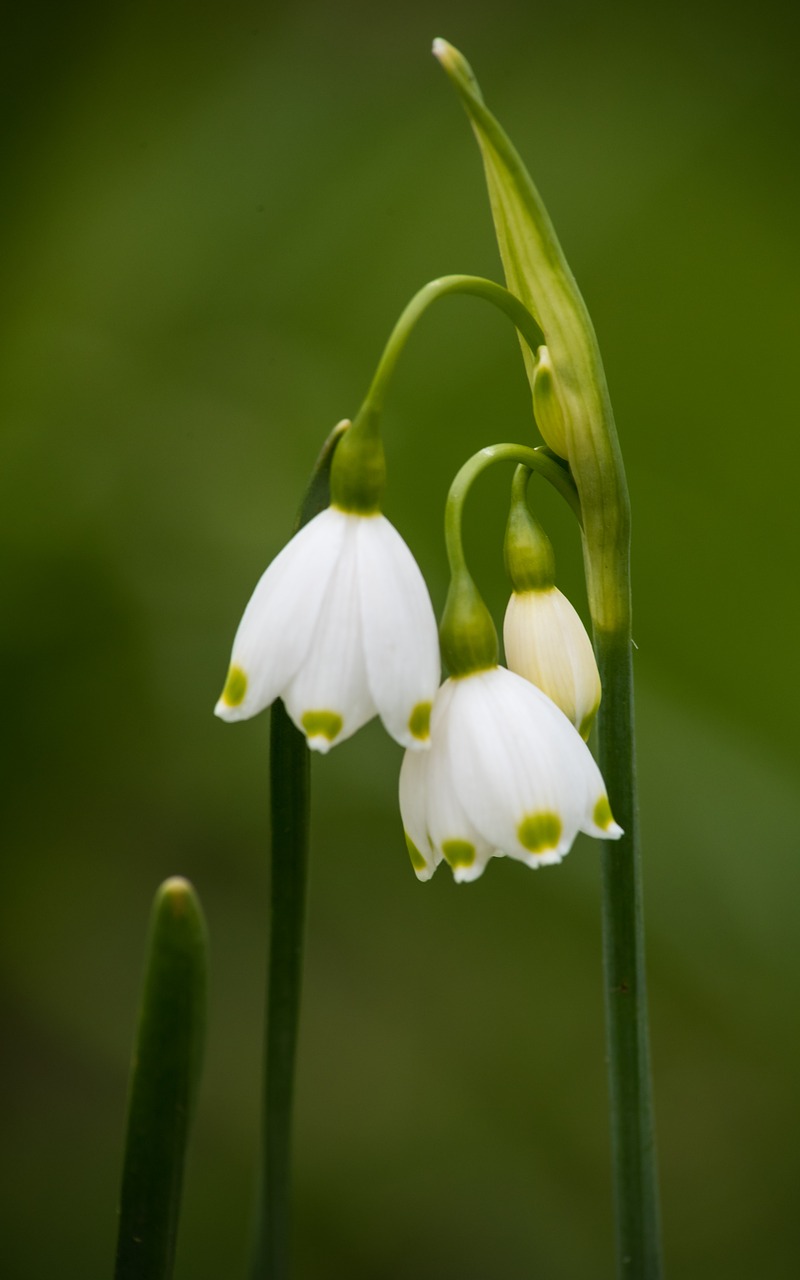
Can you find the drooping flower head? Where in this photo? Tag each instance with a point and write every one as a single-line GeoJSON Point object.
{"type": "Point", "coordinates": [507, 773]}
{"type": "Point", "coordinates": [545, 640]}
{"type": "Point", "coordinates": [340, 624]}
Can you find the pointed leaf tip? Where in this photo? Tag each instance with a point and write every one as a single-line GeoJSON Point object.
{"type": "Point", "coordinates": [178, 895]}
{"type": "Point", "coordinates": [457, 68]}
{"type": "Point", "coordinates": [165, 1075]}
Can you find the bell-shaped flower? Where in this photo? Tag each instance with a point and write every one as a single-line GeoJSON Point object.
{"type": "Point", "coordinates": [507, 774]}
{"type": "Point", "coordinates": [546, 642]}
{"type": "Point", "coordinates": [341, 627]}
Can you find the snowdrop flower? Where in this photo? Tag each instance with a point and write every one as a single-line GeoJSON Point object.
{"type": "Point", "coordinates": [341, 627]}
{"type": "Point", "coordinates": [506, 774]}
{"type": "Point", "coordinates": [545, 640]}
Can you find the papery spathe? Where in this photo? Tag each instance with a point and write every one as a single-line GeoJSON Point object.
{"type": "Point", "coordinates": [341, 627]}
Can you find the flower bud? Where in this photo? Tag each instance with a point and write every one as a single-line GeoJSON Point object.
{"type": "Point", "coordinates": [545, 640]}
{"type": "Point", "coordinates": [547, 406]}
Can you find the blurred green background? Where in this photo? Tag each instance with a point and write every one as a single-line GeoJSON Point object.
{"type": "Point", "coordinates": [211, 216]}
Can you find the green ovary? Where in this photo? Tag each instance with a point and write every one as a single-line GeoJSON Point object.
{"type": "Point", "coordinates": [540, 832]}
{"type": "Point", "coordinates": [602, 816]}
{"type": "Point", "coordinates": [419, 722]}
{"type": "Point", "coordinates": [417, 860]}
{"type": "Point", "coordinates": [233, 694]}
{"type": "Point", "coordinates": [322, 724]}
{"type": "Point", "coordinates": [459, 853]}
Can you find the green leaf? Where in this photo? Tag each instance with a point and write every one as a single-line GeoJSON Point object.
{"type": "Point", "coordinates": [165, 1075]}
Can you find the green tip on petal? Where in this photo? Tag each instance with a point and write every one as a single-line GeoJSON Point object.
{"type": "Point", "coordinates": [233, 694]}
{"type": "Point", "coordinates": [540, 832]}
{"type": "Point", "coordinates": [458, 853]}
{"type": "Point", "coordinates": [419, 722]}
{"type": "Point", "coordinates": [322, 724]}
{"type": "Point", "coordinates": [418, 861]}
{"type": "Point", "coordinates": [602, 816]}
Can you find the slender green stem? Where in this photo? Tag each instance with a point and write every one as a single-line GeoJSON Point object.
{"type": "Point", "coordinates": [632, 1123]}
{"type": "Point", "coordinates": [290, 799]}
{"type": "Point", "coordinates": [359, 473]}
{"type": "Point", "coordinates": [467, 634]}
{"type": "Point", "coordinates": [541, 460]}
{"type": "Point", "coordinates": [477, 287]}
{"type": "Point", "coordinates": [290, 788]}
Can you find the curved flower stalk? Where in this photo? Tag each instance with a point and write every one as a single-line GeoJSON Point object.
{"type": "Point", "coordinates": [545, 640]}
{"type": "Point", "coordinates": [341, 627]}
{"type": "Point", "coordinates": [507, 774]}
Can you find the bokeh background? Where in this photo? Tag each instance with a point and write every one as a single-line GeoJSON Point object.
{"type": "Point", "coordinates": [211, 216]}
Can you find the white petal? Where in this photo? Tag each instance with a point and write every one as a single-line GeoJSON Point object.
{"type": "Point", "coordinates": [522, 771]}
{"type": "Point", "coordinates": [547, 643]}
{"type": "Point", "coordinates": [401, 644]}
{"type": "Point", "coordinates": [277, 625]}
{"type": "Point", "coordinates": [329, 698]}
{"type": "Point", "coordinates": [452, 833]}
{"type": "Point", "coordinates": [414, 812]}
{"type": "Point", "coordinates": [599, 820]}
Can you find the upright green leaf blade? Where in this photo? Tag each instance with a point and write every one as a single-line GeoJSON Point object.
{"type": "Point", "coordinates": [165, 1075]}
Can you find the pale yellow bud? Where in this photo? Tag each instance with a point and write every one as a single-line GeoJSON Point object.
{"type": "Point", "coordinates": [546, 642]}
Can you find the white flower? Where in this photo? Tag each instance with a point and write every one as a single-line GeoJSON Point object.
{"type": "Point", "coordinates": [341, 627]}
{"type": "Point", "coordinates": [506, 774]}
{"type": "Point", "coordinates": [546, 642]}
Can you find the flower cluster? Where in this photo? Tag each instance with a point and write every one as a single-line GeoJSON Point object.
{"type": "Point", "coordinates": [341, 627]}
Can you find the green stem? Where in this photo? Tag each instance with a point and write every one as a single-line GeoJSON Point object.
{"type": "Point", "coordinates": [632, 1122]}
{"type": "Point", "coordinates": [467, 634]}
{"type": "Point", "coordinates": [290, 798]}
{"type": "Point", "coordinates": [476, 287]}
{"type": "Point", "coordinates": [541, 460]}
{"type": "Point", "coordinates": [359, 473]}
